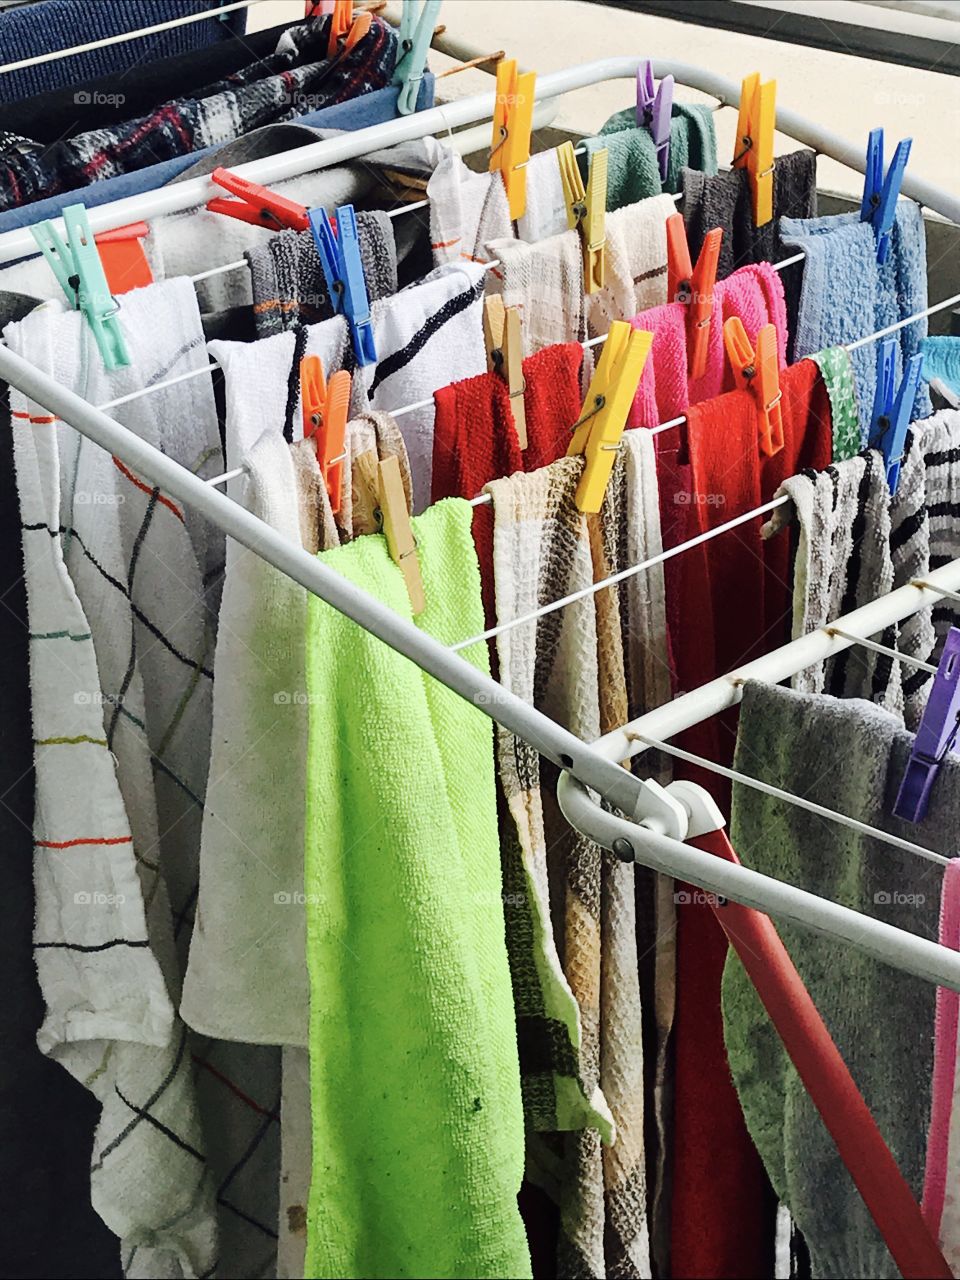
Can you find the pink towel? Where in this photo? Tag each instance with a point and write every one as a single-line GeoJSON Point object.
{"type": "Point", "coordinates": [662, 393]}
{"type": "Point", "coordinates": [942, 1162]}
{"type": "Point", "coordinates": [755, 294]}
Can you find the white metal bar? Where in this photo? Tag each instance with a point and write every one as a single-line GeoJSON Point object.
{"type": "Point", "coordinates": [348, 146]}
{"type": "Point", "coordinates": [884, 649]}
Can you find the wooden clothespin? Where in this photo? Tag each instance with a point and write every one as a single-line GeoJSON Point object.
{"type": "Point", "coordinates": [598, 431]}
{"type": "Point", "coordinates": [501, 336]}
{"type": "Point", "coordinates": [754, 146]}
{"type": "Point", "coordinates": [345, 30]}
{"type": "Point", "coordinates": [325, 407]}
{"type": "Point", "coordinates": [401, 542]}
{"type": "Point", "coordinates": [693, 286]}
{"type": "Point", "coordinates": [758, 371]}
{"type": "Point", "coordinates": [512, 126]}
{"type": "Point", "coordinates": [587, 210]}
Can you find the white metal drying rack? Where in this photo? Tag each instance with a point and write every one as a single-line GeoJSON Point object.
{"type": "Point", "coordinates": [658, 820]}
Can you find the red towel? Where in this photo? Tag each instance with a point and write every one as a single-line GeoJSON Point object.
{"type": "Point", "coordinates": [475, 441]}
{"type": "Point", "coordinates": [735, 603]}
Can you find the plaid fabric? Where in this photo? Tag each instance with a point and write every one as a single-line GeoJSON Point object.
{"type": "Point", "coordinates": [297, 79]}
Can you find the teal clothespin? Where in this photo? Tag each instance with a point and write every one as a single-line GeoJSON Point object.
{"type": "Point", "coordinates": [80, 274]}
{"type": "Point", "coordinates": [414, 39]}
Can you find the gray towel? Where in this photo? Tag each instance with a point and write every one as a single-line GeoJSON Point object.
{"type": "Point", "coordinates": [850, 756]}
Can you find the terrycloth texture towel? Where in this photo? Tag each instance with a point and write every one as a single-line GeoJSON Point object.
{"type": "Point", "coordinates": [59, 24]}
{"type": "Point", "coordinates": [571, 666]}
{"type": "Point", "coordinates": [836, 369]}
{"type": "Point", "coordinates": [427, 335]}
{"type": "Point", "coordinates": [466, 210]}
{"type": "Point", "coordinates": [880, 1018]}
{"type": "Point", "coordinates": [297, 79]}
{"type": "Point", "coordinates": [632, 170]}
{"type": "Point", "coordinates": [545, 280]}
{"type": "Point", "coordinates": [723, 200]}
{"type": "Point", "coordinates": [546, 211]}
{"type": "Point", "coordinates": [289, 288]}
{"type": "Point", "coordinates": [847, 294]}
{"type": "Point", "coordinates": [940, 1207]}
{"type": "Point", "coordinates": [417, 1158]}
{"type": "Point", "coordinates": [941, 359]}
{"type": "Point", "coordinates": [119, 677]}
{"type": "Point", "coordinates": [719, 1181]}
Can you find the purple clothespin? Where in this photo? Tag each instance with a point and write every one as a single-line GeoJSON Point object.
{"type": "Point", "coordinates": [880, 195]}
{"type": "Point", "coordinates": [892, 407]}
{"type": "Point", "coordinates": [936, 735]}
{"type": "Point", "coordinates": [655, 111]}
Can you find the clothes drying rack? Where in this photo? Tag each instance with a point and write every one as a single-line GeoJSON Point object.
{"type": "Point", "coordinates": [593, 780]}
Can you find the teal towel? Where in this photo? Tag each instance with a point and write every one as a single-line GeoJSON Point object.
{"type": "Point", "coordinates": [632, 173]}
{"type": "Point", "coordinates": [941, 359]}
{"type": "Point", "coordinates": [417, 1123]}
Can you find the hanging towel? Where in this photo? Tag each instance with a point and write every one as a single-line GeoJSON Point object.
{"type": "Point", "coordinates": [571, 666]}
{"type": "Point", "coordinates": [847, 294]}
{"type": "Point", "coordinates": [546, 211]}
{"type": "Point", "coordinates": [289, 287]}
{"type": "Point", "coordinates": [633, 172]}
{"type": "Point", "coordinates": [754, 294]}
{"type": "Point", "coordinates": [466, 210]}
{"type": "Point", "coordinates": [939, 1206]}
{"type": "Point", "coordinates": [881, 1019]}
{"type": "Point", "coordinates": [836, 369]}
{"type": "Point", "coordinates": [417, 1157]}
{"type": "Point", "coordinates": [941, 359]}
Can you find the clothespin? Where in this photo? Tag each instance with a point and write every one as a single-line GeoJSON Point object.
{"type": "Point", "coordinates": [880, 194]}
{"type": "Point", "coordinates": [345, 30]}
{"type": "Point", "coordinates": [325, 407]}
{"type": "Point", "coordinates": [501, 336]}
{"type": "Point", "coordinates": [256, 204]}
{"type": "Point", "coordinates": [598, 431]}
{"type": "Point", "coordinates": [401, 541]}
{"type": "Point", "coordinates": [80, 275]}
{"type": "Point", "coordinates": [754, 148]}
{"type": "Point", "coordinates": [936, 735]}
{"type": "Point", "coordinates": [343, 272]}
{"type": "Point", "coordinates": [124, 262]}
{"type": "Point", "coordinates": [655, 111]}
{"type": "Point", "coordinates": [587, 210]}
{"type": "Point", "coordinates": [693, 286]}
{"type": "Point", "coordinates": [512, 125]}
{"type": "Point", "coordinates": [892, 408]}
{"type": "Point", "coordinates": [414, 36]}
{"type": "Point", "coordinates": [759, 372]}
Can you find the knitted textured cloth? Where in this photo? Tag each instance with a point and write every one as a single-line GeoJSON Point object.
{"type": "Point", "coordinates": [58, 24]}
{"type": "Point", "coordinates": [719, 1182]}
{"type": "Point", "coordinates": [836, 369]}
{"type": "Point", "coordinates": [297, 79]}
{"type": "Point", "coordinates": [417, 1159]}
{"type": "Point", "coordinates": [571, 666]}
{"type": "Point", "coordinates": [847, 294]}
{"type": "Point", "coordinates": [723, 200]}
{"type": "Point", "coordinates": [943, 1158]}
{"type": "Point", "coordinates": [546, 211]}
{"type": "Point", "coordinates": [289, 287]}
{"type": "Point", "coordinates": [632, 170]}
{"type": "Point", "coordinates": [466, 210]}
{"type": "Point", "coordinates": [941, 359]}
{"type": "Point", "coordinates": [880, 1018]}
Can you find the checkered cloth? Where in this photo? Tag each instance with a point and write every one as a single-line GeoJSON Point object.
{"type": "Point", "coordinates": [297, 79]}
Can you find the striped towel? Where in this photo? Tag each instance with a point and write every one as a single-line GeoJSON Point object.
{"type": "Point", "coordinates": [466, 210]}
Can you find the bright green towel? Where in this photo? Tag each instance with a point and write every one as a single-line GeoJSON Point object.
{"type": "Point", "coordinates": [632, 172]}
{"type": "Point", "coordinates": [417, 1120]}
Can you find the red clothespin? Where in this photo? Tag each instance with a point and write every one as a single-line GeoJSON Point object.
{"type": "Point", "coordinates": [124, 262]}
{"type": "Point", "coordinates": [759, 372]}
{"type": "Point", "coordinates": [345, 30]}
{"type": "Point", "coordinates": [325, 408]}
{"type": "Point", "coordinates": [256, 204]}
{"type": "Point", "coordinates": [693, 286]}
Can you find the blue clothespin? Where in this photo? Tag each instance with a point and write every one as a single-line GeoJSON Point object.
{"type": "Point", "coordinates": [413, 43]}
{"type": "Point", "coordinates": [655, 111]}
{"type": "Point", "coordinates": [343, 272]}
{"type": "Point", "coordinates": [892, 408]}
{"type": "Point", "coordinates": [80, 275]}
{"type": "Point", "coordinates": [936, 735]}
{"type": "Point", "coordinates": [880, 194]}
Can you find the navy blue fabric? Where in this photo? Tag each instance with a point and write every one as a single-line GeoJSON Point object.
{"type": "Point", "coordinates": [49, 25]}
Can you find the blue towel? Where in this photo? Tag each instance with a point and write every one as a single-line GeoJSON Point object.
{"type": "Point", "coordinates": [847, 294]}
{"type": "Point", "coordinates": [941, 359]}
{"type": "Point", "coordinates": [59, 24]}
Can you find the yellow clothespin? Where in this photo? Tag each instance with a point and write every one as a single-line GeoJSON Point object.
{"type": "Point", "coordinates": [512, 125]}
{"type": "Point", "coordinates": [501, 336]}
{"type": "Point", "coordinates": [612, 388]}
{"type": "Point", "coordinates": [754, 146]}
{"type": "Point", "coordinates": [587, 210]}
{"type": "Point", "coordinates": [401, 542]}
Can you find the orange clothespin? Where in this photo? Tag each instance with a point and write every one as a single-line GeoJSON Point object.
{"type": "Point", "coordinates": [256, 204]}
{"type": "Point", "coordinates": [512, 125]}
{"type": "Point", "coordinates": [345, 30]}
{"type": "Point", "coordinates": [124, 262]}
{"type": "Point", "coordinates": [325, 407]}
{"type": "Point", "coordinates": [754, 146]}
{"type": "Point", "coordinates": [758, 371]}
{"type": "Point", "coordinates": [693, 286]}
{"type": "Point", "coordinates": [501, 336]}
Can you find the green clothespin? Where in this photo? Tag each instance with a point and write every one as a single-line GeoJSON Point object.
{"type": "Point", "coordinates": [80, 274]}
{"type": "Point", "coordinates": [413, 43]}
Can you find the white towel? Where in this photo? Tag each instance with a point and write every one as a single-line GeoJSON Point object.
{"type": "Point", "coordinates": [466, 210]}
{"type": "Point", "coordinates": [546, 212]}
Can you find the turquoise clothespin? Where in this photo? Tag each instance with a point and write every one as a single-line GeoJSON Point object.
{"type": "Point", "coordinates": [413, 43]}
{"type": "Point", "coordinates": [80, 274]}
